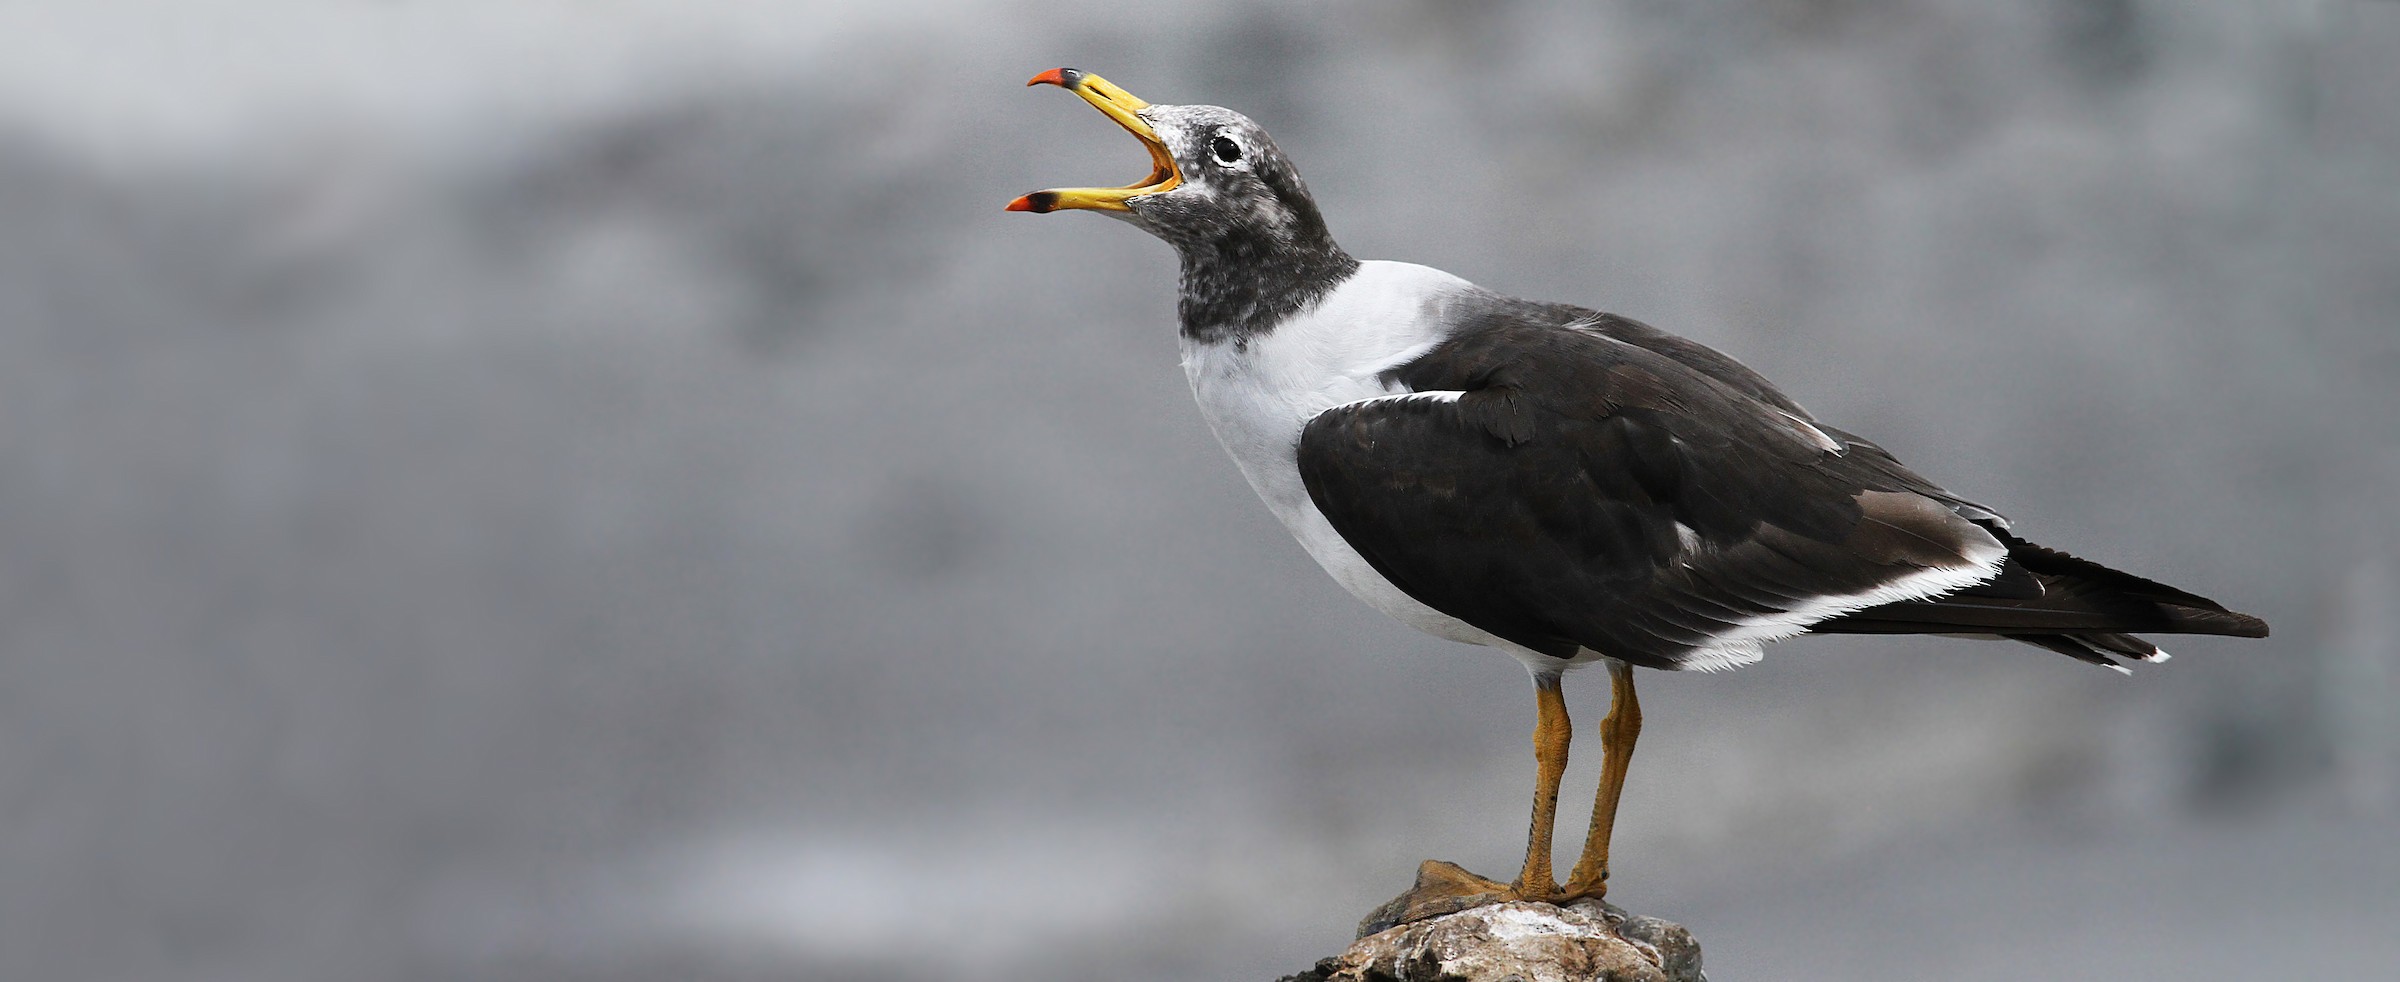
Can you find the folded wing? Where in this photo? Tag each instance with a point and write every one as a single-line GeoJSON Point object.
{"type": "Point", "coordinates": [1566, 490]}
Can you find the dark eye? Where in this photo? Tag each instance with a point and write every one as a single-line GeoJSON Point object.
{"type": "Point", "coordinates": [1225, 149]}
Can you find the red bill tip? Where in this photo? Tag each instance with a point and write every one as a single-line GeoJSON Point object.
{"type": "Point", "coordinates": [1061, 77]}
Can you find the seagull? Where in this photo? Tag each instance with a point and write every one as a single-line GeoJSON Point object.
{"type": "Point", "coordinates": [1568, 486]}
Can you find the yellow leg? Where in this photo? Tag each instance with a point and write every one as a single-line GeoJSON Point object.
{"type": "Point", "coordinates": [1444, 888]}
{"type": "Point", "coordinates": [1552, 733]}
{"type": "Point", "coordinates": [1589, 878]}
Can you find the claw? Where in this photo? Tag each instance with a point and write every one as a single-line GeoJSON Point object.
{"type": "Point", "coordinates": [1441, 888]}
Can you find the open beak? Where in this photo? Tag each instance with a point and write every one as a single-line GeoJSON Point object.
{"type": "Point", "coordinates": [1121, 106]}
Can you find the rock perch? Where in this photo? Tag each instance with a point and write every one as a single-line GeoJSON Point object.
{"type": "Point", "coordinates": [1585, 941]}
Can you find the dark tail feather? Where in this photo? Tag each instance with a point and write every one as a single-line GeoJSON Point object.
{"type": "Point", "coordinates": [2083, 610]}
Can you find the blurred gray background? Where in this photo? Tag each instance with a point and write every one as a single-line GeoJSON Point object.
{"type": "Point", "coordinates": [601, 491]}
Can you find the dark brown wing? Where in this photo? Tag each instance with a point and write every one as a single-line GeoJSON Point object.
{"type": "Point", "coordinates": [1571, 480]}
{"type": "Point", "coordinates": [1580, 491]}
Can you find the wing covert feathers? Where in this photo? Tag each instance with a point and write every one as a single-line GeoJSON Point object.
{"type": "Point", "coordinates": [1587, 492]}
{"type": "Point", "coordinates": [1586, 483]}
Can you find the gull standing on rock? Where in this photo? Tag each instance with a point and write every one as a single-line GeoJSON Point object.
{"type": "Point", "coordinates": [1568, 486]}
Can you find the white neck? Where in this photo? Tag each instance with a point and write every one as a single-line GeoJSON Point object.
{"type": "Point", "coordinates": [1258, 392]}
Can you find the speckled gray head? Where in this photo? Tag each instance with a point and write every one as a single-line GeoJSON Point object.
{"type": "Point", "coordinates": [1237, 183]}
{"type": "Point", "coordinates": [1253, 244]}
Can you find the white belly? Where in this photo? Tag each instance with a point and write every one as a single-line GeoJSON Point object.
{"type": "Point", "coordinates": [1258, 397]}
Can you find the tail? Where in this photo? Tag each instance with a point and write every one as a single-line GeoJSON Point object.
{"type": "Point", "coordinates": [2072, 606]}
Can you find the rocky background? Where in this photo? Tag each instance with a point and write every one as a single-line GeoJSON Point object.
{"type": "Point", "coordinates": [570, 491]}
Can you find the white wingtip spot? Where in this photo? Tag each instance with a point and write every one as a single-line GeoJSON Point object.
{"type": "Point", "coordinates": [2160, 656]}
{"type": "Point", "coordinates": [2119, 669]}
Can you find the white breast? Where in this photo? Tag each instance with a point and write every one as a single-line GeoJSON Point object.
{"type": "Point", "coordinates": [1257, 397]}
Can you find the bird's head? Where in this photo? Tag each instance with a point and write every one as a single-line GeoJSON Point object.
{"type": "Point", "coordinates": [1217, 181]}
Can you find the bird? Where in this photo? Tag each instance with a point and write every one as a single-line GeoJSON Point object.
{"type": "Point", "coordinates": [1568, 486]}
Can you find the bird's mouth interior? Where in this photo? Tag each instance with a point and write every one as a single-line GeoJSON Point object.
{"type": "Point", "coordinates": [1118, 105]}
